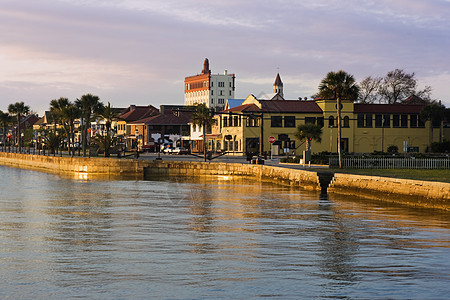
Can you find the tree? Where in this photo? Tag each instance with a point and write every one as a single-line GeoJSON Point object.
{"type": "Point", "coordinates": [90, 106]}
{"type": "Point", "coordinates": [339, 86]}
{"type": "Point", "coordinates": [19, 109]}
{"type": "Point", "coordinates": [52, 140]}
{"type": "Point", "coordinates": [70, 114]}
{"type": "Point", "coordinates": [57, 109]}
{"type": "Point", "coordinates": [434, 113]}
{"type": "Point", "coordinates": [368, 89]}
{"type": "Point", "coordinates": [205, 118]}
{"type": "Point", "coordinates": [106, 142]}
{"type": "Point", "coordinates": [398, 85]}
{"type": "Point", "coordinates": [110, 115]}
{"type": "Point", "coordinates": [308, 132]}
{"type": "Point", "coordinates": [5, 121]}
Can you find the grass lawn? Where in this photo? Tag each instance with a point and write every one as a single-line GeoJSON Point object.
{"type": "Point", "coordinates": [416, 174]}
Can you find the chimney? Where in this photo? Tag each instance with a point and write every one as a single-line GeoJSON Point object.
{"type": "Point", "coordinates": [225, 72]}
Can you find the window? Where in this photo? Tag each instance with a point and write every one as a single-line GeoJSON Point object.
{"type": "Point", "coordinates": [369, 121]}
{"type": "Point", "coordinates": [360, 122]}
{"type": "Point", "coordinates": [387, 121]}
{"type": "Point", "coordinates": [229, 93]}
{"type": "Point", "coordinates": [289, 121]}
{"type": "Point", "coordinates": [378, 121]}
{"type": "Point", "coordinates": [421, 122]}
{"type": "Point", "coordinates": [413, 121]}
{"type": "Point", "coordinates": [331, 121]}
{"type": "Point", "coordinates": [212, 93]}
{"type": "Point", "coordinates": [221, 101]}
{"type": "Point", "coordinates": [276, 121]}
{"type": "Point", "coordinates": [252, 122]}
{"type": "Point", "coordinates": [212, 83]}
{"type": "Point", "coordinates": [236, 145]}
{"type": "Point", "coordinates": [225, 121]}
{"type": "Point", "coordinates": [236, 121]}
{"type": "Point", "coordinates": [404, 121]}
{"type": "Point", "coordinates": [320, 121]}
{"type": "Point", "coordinates": [230, 121]}
{"type": "Point", "coordinates": [346, 122]}
{"type": "Point", "coordinates": [221, 93]}
{"type": "Point", "coordinates": [310, 120]}
{"type": "Point", "coordinates": [395, 121]}
{"type": "Point", "coordinates": [221, 84]}
{"type": "Point", "coordinates": [230, 83]}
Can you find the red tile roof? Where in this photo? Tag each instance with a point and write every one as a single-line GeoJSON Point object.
{"type": "Point", "coordinates": [282, 106]}
{"type": "Point", "coordinates": [244, 108]}
{"type": "Point", "coordinates": [134, 113]}
{"type": "Point", "coordinates": [291, 106]}
{"type": "Point", "coordinates": [167, 119]}
{"type": "Point", "coordinates": [388, 108]}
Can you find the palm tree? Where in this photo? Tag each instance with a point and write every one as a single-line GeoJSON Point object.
{"type": "Point", "coordinates": [110, 115]}
{"type": "Point", "coordinates": [433, 112]}
{"type": "Point", "coordinates": [90, 106]}
{"type": "Point", "coordinates": [5, 120]}
{"type": "Point", "coordinates": [205, 118]}
{"type": "Point", "coordinates": [339, 86]}
{"type": "Point", "coordinates": [70, 114]}
{"type": "Point", "coordinates": [19, 109]}
{"type": "Point", "coordinates": [308, 132]}
{"type": "Point", "coordinates": [108, 141]}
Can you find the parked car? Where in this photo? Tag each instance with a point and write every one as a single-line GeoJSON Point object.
{"type": "Point", "coordinates": [179, 151]}
{"type": "Point", "coordinates": [168, 150]}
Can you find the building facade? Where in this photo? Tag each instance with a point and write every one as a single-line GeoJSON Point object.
{"type": "Point", "coordinates": [210, 89]}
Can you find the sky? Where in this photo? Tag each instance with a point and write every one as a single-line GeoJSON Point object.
{"type": "Point", "coordinates": [139, 51]}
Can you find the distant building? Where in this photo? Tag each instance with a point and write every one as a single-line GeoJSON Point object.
{"type": "Point", "coordinates": [131, 114]}
{"type": "Point", "coordinates": [210, 89]}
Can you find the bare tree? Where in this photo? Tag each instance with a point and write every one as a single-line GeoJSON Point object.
{"type": "Point", "coordinates": [398, 85]}
{"type": "Point", "coordinates": [368, 89]}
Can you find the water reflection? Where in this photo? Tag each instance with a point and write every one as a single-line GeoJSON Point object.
{"type": "Point", "coordinates": [211, 237]}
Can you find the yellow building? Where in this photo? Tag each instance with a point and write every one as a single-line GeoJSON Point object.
{"type": "Point", "coordinates": [365, 127]}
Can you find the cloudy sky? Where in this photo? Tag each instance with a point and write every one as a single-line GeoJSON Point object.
{"type": "Point", "coordinates": [139, 51]}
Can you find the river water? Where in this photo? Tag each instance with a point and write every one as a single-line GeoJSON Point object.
{"type": "Point", "coordinates": [211, 238]}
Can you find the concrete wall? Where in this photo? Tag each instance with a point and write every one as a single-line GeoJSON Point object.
{"type": "Point", "coordinates": [411, 192]}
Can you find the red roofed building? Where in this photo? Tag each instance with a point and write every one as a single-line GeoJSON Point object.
{"type": "Point", "coordinates": [169, 126]}
{"type": "Point", "coordinates": [132, 114]}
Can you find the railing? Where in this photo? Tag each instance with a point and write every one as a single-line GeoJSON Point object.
{"type": "Point", "coordinates": [391, 163]}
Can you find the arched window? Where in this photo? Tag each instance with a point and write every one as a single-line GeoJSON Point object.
{"type": "Point", "coordinates": [331, 121]}
{"type": "Point", "coordinates": [346, 122]}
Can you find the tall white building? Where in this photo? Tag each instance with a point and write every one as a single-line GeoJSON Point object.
{"type": "Point", "coordinates": [211, 89]}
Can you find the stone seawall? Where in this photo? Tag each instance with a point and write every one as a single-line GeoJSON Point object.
{"type": "Point", "coordinates": [411, 192]}
{"type": "Point", "coordinates": [300, 178]}
{"type": "Point", "coordinates": [140, 168]}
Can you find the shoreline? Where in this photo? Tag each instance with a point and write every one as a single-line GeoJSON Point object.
{"type": "Point", "coordinates": [425, 194]}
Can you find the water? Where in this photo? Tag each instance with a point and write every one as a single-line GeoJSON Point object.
{"type": "Point", "coordinates": [211, 239]}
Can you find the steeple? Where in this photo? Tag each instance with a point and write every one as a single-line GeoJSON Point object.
{"type": "Point", "coordinates": [278, 86]}
{"type": "Point", "coordinates": [206, 67]}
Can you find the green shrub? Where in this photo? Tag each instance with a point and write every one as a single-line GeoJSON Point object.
{"type": "Point", "coordinates": [392, 149]}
